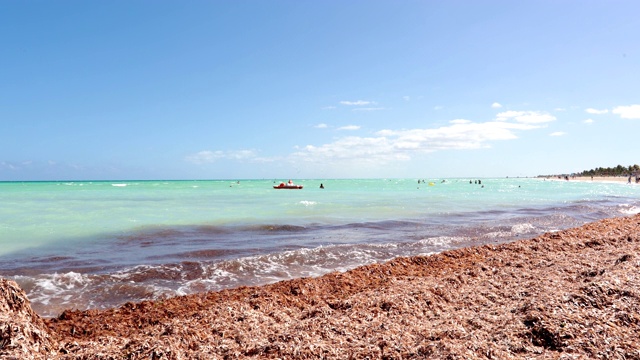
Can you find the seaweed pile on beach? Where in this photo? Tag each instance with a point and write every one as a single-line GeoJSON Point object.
{"type": "Point", "coordinates": [569, 294]}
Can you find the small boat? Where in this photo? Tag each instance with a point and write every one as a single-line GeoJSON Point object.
{"type": "Point", "coordinates": [289, 185]}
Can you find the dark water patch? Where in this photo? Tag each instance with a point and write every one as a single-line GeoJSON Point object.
{"type": "Point", "coordinates": [533, 212]}
{"type": "Point", "coordinates": [146, 238]}
{"type": "Point", "coordinates": [204, 254]}
{"type": "Point", "coordinates": [273, 228]}
{"type": "Point", "coordinates": [385, 225]}
{"type": "Point", "coordinates": [210, 230]}
{"type": "Point", "coordinates": [51, 259]}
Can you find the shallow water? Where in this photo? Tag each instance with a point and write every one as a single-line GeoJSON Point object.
{"type": "Point", "coordinates": [100, 244]}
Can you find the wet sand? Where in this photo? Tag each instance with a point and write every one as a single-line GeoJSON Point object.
{"type": "Point", "coordinates": [569, 294]}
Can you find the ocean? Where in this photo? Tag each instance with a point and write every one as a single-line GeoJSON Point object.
{"type": "Point", "coordinates": [99, 244]}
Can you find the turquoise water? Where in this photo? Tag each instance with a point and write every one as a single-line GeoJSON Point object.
{"type": "Point", "coordinates": [40, 213]}
{"type": "Point", "coordinates": [70, 243]}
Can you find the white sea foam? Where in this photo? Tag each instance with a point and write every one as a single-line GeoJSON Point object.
{"type": "Point", "coordinates": [309, 262]}
{"type": "Point", "coordinates": [498, 234]}
{"type": "Point", "coordinates": [67, 281]}
{"type": "Point", "coordinates": [522, 229]}
{"type": "Point", "coordinates": [427, 253]}
{"type": "Point", "coordinates": [308, 203]}
{"type": "Point", "coordinates": [119, 185]}
{"type": "Point", "coordinates": [198, 285]}
{"type": "Point", "coordinates": [441, 240]}
{"type": "Point", "coordinates": [57, 285]}
{"type": "Point", "coordinates": [628, 209]}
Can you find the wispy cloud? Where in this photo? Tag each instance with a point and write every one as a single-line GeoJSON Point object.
{"type": "Point", "coordinates": [406, 98]}
{"type": "Point", "coordinates": [526, 117]}
{"type": "Point", "coordinates": [321, 126]}
{"type": "Point", "coordinates": [596, 111]}
{"type": "Point", "coordinates": [349, 127]}
{"type": "Point", "coordinates": [357, 103]}
{"type": "Point", "coordinates": [57, 169]}
{"type": "Point", "coordinates": [628, 112]}
{"type": "Point", "coordinates": [208, 156]}
{"type": "Point", "coordinates": [369, 109]}
{"type": "Point", "coordinates": [496, 105]}
{"type": "Point", "coordinates": [8, 165]}
{"type": "Point", "coordinates": [558, 133]}
{"type": "Point", "coordinates": [588, 121]}
{"type": "Point", "coordinates": [204, 157]}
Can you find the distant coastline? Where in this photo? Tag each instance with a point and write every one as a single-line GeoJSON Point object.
{"type": "Point", "coordinates": [615, 179]}
{"type": "Point", "coordinates": [619, 173]}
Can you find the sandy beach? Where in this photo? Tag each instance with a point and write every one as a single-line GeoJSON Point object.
{"type": "Point", "coordinates": [610, 179]}
{"type": "Point", "coordinates": [619, 179]}
{"type": "Point", "coordinates": [570, 294]}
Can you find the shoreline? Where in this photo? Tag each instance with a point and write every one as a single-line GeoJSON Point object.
{"type": "Point", "coordinates": [601, 179]}
{"type": "Point", "coordinates": [614, 179]}
{"type": "Point", "coordinates": [572, 292]}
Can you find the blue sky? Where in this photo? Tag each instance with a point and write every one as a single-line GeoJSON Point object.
{"type": "Point", "coordinates": [316, 89]}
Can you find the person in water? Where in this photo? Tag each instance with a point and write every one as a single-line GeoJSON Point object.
{"type": "Point", "coordinates": [321, 186]}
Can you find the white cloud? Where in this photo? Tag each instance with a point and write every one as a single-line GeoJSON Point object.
{"type": "Point", "coordinates": [506, 115]}
{"type": "Point", "coordinates": [596, 111]}
{"type": "Point", "coordinates": [204, 157]}
{"type": "Point", "coordinates": [352, 148]}
{"type": "Point", "coordinates": [558, 133]}
{"type": "Point", "coordinates": [241, 154]}
{"type": "Point", "coordinates": [392, 145]}
{"type": "Point", "coordinates": [588, 121]}
{"type": "Point", "coordinates": [321, 126]}
{"type": "Point", "coordinates": [207, 156]}
{"type": "Point", "coordinates": [349, 127]}
{"type": "Point", "coordinates": [496, 105]}
{"type": "Point", "coordinates": [357, 103]}
{"type": "Point", "coordinates": [459, 135]}
{"type": "Point", "coordinates": [369, 109]}
{"type": "Point", "coordinates": [398, 145]}
{"type": "Point", "coordinates": [526, 117]}
{"type": "Point", "coordinates": [438, 107]}
{"type": "Point", "coordinates": [406, 98]}
{"type": "Point", "coordinates": [628, 112]}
